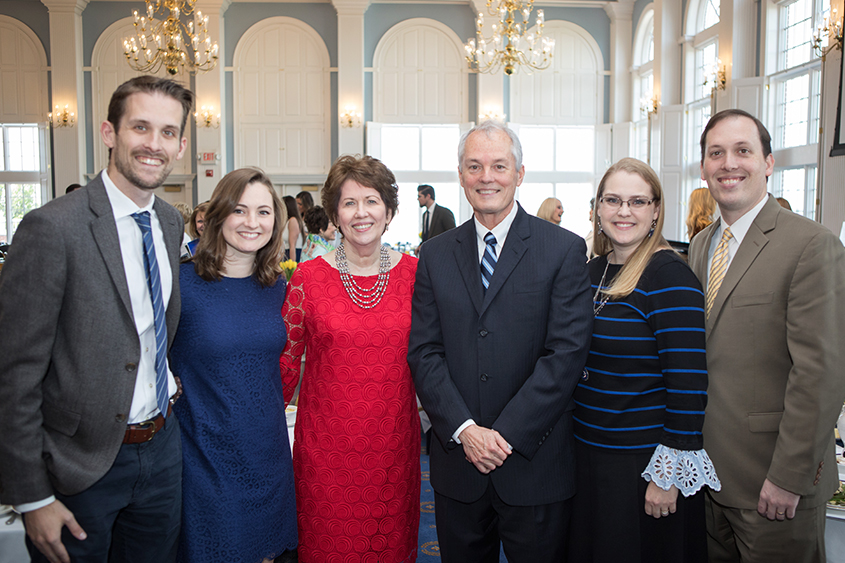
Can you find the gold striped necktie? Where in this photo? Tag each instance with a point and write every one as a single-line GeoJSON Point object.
{"type": "Point", "coordinates": [718, 268]}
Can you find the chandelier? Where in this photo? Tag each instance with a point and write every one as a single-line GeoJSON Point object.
{"type": "Point", "coordinates": [511, 44]}
{"type": "Point", "coordinates": [159, 42]}
{"type": "Point", "coordinates": [828, 36]}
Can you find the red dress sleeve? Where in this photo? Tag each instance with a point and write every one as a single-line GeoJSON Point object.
{"type": "Point", "coordinates": [293, 312]}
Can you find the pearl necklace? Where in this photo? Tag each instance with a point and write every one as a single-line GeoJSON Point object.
{"type": "Point", "coordinates": [364, 298]}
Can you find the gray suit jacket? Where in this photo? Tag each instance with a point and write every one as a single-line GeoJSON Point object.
{"type": "Point", "coordinates": [775, 359]}
{"type": "Point", "coordinates": [70, 348]}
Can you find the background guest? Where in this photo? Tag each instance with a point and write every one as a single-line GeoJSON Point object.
{"type": "Point", "coordinates": [357, 447]}
{"type": "Point", "coordinates": [321, 234]}
{"type": "Point", "coordinates": [237, 487]}
{"type": "Point", "coordinates": [304, 202]}
{"type": "Point", "coordinates": [72, 188]}
{"type": "Point", "coordinates": [702, 206]}
{"type": "Point", "coordinates": [784, 203]}
{"type": "Point", "coordinates": [550, 210]}
{"type": "Point", "coordinates": [185, 210]}
{"type": "Point", "coordinates": [294, 232]}
{"type": "Point", "coordinates": [589, 238]}
{"type": "Point", "coordinates": [640, 405]}
{"type": "Point", "coordinates": [197, 223]}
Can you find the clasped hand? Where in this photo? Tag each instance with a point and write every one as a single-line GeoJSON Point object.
{"type": "Point", "coordinates": [484, 448]}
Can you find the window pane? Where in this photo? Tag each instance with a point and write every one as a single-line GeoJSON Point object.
{"type": "Point", "coordinates": [794, 113]}
{"type": "Point", "coordinates": [538, 145]}
{"type": "Point", "coordinates": [711, 13]}
{"type": "Point", "coordinates": [2, 155]}
{"type": "Point", "coordinates": [530, 196]}
{"type": "Point", "coordinates": [793, 181]}
{"type": "Point", "coordinates": [576, 206]}
{"type": "Point", "coordinates": [4, 236]}
{"type": "Point", "coordinates": [404, 228]}
{"type": "Point", "coordinates": [25, 198]}
{"type": "Point", "coordinates": [400, 147]}
{"type": "Point", "coordinates": [450, 197]}
{"type": "Point", "coordinates": [440, 148]}
{"type": "Point", "coordinates": [575, 149]}
{"type": "Point", "coordinates": [23, 148]}
{"type": "Point", "coordinates": [796, 23]}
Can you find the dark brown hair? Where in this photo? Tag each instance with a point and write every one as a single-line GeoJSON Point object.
{"type": "Point", "coordinates": [293, 213]}
{"type": "Point", "coordinates": [367, 171]}
{"type": "Point", "coordinates": [149, 85]}
{"type": "Point", "coordinates": [211, 250]}
{"type": "Point", "coordinates": [316, 220]}
{"type": "Point", "coordinates": [765, 138]}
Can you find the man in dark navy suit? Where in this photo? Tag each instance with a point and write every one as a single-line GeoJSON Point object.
{"type": "Point", "coordinates": [499, 337]}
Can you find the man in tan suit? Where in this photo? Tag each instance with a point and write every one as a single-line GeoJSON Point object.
{"type": "Point", "coordinates": [775, 302]}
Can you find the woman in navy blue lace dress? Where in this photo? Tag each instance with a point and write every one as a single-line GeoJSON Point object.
{"type": "Point", "coordinates": [238, 495]}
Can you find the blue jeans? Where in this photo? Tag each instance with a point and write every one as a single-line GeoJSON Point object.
{"type": "Point", "coordinates": [134, 512]}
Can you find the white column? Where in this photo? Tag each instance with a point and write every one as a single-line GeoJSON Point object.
{"type": "Point", "coordinates": [737, 45]}
{"type": "Point", "coordinates": [350, 71]}
{"type": "Point", "coordinates": [68, 88]}
{"type": "Point", "coordinates": [210, 90]}
{"type": "Point", "coordinates": [621, 33]}
{"type": "Point", "coordinates": [667, 51]}
{"type": "Point", "coordinates": [490, 88]}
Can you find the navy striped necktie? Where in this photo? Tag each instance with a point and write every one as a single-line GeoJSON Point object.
{"type": "Point", "coordinates": [154, 284]}
{"type": "Point", "coordinates": [488, 261]}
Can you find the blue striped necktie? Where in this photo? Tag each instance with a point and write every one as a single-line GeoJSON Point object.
{"type": "Point", "coordinates": [154, 283]}
{"type": "Point", "coordinates": [488, 261]}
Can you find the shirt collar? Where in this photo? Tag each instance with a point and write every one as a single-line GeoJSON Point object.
{"type": "Point", "coordinates": [430, 208]}
{"type": "Point", "coordinates": [500, 231]}
{"type": "Point", "coordinates": [121, 205]}
{"type": "Point", "coordinates": [740, 227]}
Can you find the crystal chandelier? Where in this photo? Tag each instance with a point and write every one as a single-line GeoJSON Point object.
{"type": "Point", "coordinates": [511, 44]}
{"type": "Point", "coordinates": [159, 42]}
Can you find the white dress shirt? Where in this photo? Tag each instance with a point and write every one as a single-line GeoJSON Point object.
{"type": "Point", "coordinates": [739, 229]}
{"type": "Point", "coordinates": [144, 404]}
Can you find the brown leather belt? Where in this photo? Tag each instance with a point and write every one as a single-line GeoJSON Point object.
{"type": "Point", "coordinates": [144, 431]}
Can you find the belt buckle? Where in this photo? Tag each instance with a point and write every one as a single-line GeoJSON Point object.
{"type": "Point", "coordinates": [151, 424]}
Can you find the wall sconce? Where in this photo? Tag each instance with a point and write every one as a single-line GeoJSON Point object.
{"type": "Point", "coordinates": [62, 117]}
{"type": "Point", "coordinates": [716, 75]}
{"type": "Point", "coordinates": [206, 118]}
{"type": "Point", "coordinates": [350, 118]}
{"type": "Point", "coordinates": [830, 31]}
{"type": "Point", "coordinates": [649, 104]}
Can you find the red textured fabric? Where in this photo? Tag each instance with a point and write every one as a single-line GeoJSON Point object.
{"type": "Point", "coordinates": [357, 437]}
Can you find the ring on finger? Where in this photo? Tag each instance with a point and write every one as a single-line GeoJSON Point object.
{"type": "Point", "coordinates": [664, 513]}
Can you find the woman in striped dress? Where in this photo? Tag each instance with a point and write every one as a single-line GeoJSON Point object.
{"type": "Point", "coordinates": [640, 405]}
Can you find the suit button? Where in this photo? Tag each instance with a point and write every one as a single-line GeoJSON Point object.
{"type": "Point", "coordinates": [483, 377]}
{"type": "Point", "coordinates": [131, 367]}
{"type": "Point", "coordinates": [482, 332]}
{"type": "Point", "coordinates": [120, 418]}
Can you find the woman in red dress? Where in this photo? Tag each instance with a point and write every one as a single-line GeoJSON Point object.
{"type": "Point", "coordinates": [357, 439]}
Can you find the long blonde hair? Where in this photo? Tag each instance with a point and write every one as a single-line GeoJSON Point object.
{"type": "Point", "coordinates": [629, 276]}
{"type": "Point", "coordinates": [701, 209]}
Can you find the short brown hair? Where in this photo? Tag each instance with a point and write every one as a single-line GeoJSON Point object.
{"type": "Point", "coordinates": [149, 85]}
{"type": "Point", "coordinates": [192, 224]}
{"type": "Point", "coordinates": [367, 171]}
{"type": "Point", "coordinates": [765, 138]}
{"type": "Point", "coordinates": [211, 250]}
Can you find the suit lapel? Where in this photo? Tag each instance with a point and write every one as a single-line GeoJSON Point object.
{"type": "Point", "coordinates": [466, 256]}
{"type": "Point", "coordinates": [104, 230]}
{"type": "Point", "coordinates": [509, 257]}
{"type": "Point", "coordinates": [752, 244]}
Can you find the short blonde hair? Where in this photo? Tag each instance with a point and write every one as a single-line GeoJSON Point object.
{"type": "Point", "coordinates": [547, 208]}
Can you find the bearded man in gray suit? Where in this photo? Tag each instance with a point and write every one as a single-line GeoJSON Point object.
{"type": "Point", "coordinates": [89, 303]}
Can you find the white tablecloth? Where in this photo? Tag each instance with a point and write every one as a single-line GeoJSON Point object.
{"type": "Point", "coordinates": [12, 547]}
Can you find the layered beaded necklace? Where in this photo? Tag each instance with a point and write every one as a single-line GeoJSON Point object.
{"type": "Point", "coordinates": [364, 298]}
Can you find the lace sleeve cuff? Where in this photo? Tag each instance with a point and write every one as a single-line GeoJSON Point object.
{"type": "Point", "coordinates": [687, 470]}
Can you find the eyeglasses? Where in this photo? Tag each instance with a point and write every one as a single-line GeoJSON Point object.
{"type": "Point", "coordinates": [616, 203]}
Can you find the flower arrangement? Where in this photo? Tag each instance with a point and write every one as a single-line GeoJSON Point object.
{"type": "Point", "coordinates": [288, 267]}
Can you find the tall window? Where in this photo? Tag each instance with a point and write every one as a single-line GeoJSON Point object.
{"type": "Point", "coordinates": [795, 96]}
{"type": "Point", "coordinates": [23, 178]}
{"type": "Point", "coordinates": [643, 81]}
{"type": "Point", "coordinates": [419, 154]}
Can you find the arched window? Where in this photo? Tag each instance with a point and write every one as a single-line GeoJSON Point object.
{"type": "Point", "coordinates": [642, 80]}
{"type": "Point", "coordinates": [281, 100]}
{"type": "Point", "coordinates": [24, 148]}
{"type": "Point", "coordinates": [420, 75]}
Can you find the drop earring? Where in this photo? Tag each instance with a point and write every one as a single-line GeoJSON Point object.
{"type": "Point", "coordinates": [653, 225]}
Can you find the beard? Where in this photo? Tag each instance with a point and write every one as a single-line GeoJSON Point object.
{"type": "Point", "coordinates": [124, 166]}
